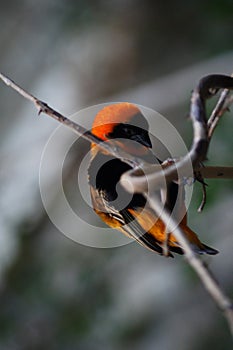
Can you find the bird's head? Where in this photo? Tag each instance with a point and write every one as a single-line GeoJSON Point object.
{"type": "Point", "coordinates": [124, 122]}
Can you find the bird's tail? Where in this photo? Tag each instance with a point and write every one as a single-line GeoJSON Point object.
{"type": "Point", "coordinates": [197, 245]}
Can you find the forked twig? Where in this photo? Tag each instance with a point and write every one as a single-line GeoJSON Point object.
{"type": "Point", "coordinates": [221, 107]}
{"type": "Point", "coordinates": [198, 151]}
{"type": "Point", "coordinates": [197, 154]}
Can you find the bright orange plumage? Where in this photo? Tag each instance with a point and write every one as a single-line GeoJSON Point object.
{"type": "Point", "coordinates": [115, 206]}
{"type": "Point", "coordinates": [111, 115]}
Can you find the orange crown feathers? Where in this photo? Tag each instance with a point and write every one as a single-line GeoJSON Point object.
{"type": "Point", "coordinates": [111, 115]}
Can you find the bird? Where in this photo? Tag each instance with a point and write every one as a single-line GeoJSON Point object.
{"type": "Point", "coordinates": [130, 214]}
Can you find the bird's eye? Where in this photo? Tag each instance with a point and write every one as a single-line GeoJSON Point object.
{"type": "Point", "coordinates": [128, 131]}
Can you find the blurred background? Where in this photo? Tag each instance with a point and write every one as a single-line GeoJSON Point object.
{"type": "Point", "coordinates": [55, 293]}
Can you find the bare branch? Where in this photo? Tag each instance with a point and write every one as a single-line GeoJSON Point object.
{"type": "Point", "coordinates": [216, 172]}
{"type": "Point", "coordinates": [42, 107]}
{"type": "Point", "coordinates": [197, 154]}
{"type": "Point", "coordinates": [17, 88]}
{"type": "Point", "coordinates": [209, 282]}
{"type": "Point", "coordinates": [206, 88]}
{"type": "Point", "coordinates": [155, 174]}
{"type": "Point", "coordinates": [223, 104]}
{"type": "Point", "coordinates": [204, 197]}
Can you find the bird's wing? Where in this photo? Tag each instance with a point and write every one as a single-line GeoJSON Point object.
{"type": "Point", "coordinates": [124, 221]}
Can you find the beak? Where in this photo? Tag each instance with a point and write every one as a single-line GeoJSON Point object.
{"type": "Point", "coordinates": [143, 139]}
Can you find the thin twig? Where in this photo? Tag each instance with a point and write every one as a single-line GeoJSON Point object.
{"type": "Point", "coordinates": [217, 113]}
{"type": "Point", "coordinates": [204, 197]}
{"type": "Point", "coordinates": [42, 107]}
{"type": "Point", "coordinates": [200, 179]}
{"type": "Point", "coordinates": [17, 88]}
{"type": "Point", "coordinates": [197, 154]}
{"type": "Point", "coordinates": [136, 175]}
{"type": "Point", "coordinates": [216, 172]}
{"type": "Point", "coordinates": [198, 151]}
{"type": "Point", "coordinates": [209, 282]}
{"type": "Point", "coordinates": [222, 105]}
